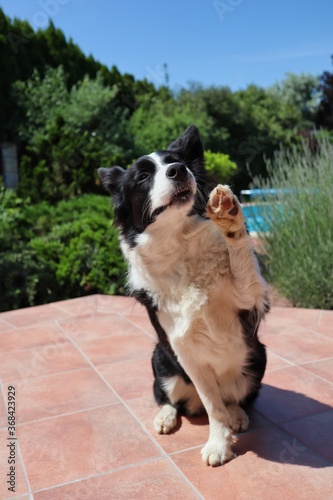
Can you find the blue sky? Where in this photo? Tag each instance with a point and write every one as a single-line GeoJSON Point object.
{"type": "Point", "coordinates": [214, 42]}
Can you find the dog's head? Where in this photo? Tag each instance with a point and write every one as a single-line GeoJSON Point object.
{"type": "Point", "coordinates": [161, 184]}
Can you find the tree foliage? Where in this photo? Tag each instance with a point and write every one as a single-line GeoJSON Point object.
{"type": "Point", "coordinates": [324, 114]}
{"type": "Point", "coordinates": [70, 114]}
{"type": "Point", "coordinates": [156, 122]}
{"type": "Point", "coordinates": [303, 93]}
{"type": "Point", "coordinates": [24, 50]}
{"type": "Point", "coordinates": [68, 134]}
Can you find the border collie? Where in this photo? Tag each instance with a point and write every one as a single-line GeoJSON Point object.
{"type": "Point", "coordinates": [192, 265]}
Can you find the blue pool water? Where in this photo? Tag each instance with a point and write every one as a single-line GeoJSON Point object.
{"type": "Point", "coordinates": [255, 217]}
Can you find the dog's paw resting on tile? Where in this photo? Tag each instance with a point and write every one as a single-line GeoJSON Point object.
{"type": "Point", "coordinates": [238, 419]}
{"type": "Point", "coordinates": [217, 452]}
{"type": "Point", "coordinates": [166, 419]}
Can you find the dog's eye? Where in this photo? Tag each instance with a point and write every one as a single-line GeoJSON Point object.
{"type": "Point", "coordinates": [143, 176]}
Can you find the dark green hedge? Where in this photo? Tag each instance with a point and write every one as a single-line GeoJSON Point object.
{"type": "Point", "coordinates": [49, 253]}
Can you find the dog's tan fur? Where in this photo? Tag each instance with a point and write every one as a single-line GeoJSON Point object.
{"type": "Point", "coordinates": [197, 301]}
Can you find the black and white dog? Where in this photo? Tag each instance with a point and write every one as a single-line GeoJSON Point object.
{"type": "Point", "coordinates": [191, 264]}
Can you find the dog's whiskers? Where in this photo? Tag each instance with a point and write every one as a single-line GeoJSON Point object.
{"type": "Point", "coordinates": [145, 210]}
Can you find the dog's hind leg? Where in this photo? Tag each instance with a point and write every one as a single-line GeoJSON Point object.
{"type": "Point", "coordinates": [173, 390]}
{"type": "Point", "coordinates": [166, 419]}
{"type": "Point", "coordinates": [176, 395]}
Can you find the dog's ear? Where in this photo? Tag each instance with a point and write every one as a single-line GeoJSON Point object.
{"type": "Point", "coordinates": [189, 145]}
{"type": "Point", "coordinates": [111, 178]}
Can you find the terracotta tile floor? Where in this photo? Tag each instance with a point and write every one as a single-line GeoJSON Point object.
{"type": "Point", "coordinates": [81, 371]}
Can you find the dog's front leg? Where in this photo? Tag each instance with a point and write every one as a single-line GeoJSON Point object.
{"type": "Point", "coordinates": [226, 213]}
{"type": "Point", "coordinates": [217, 450]}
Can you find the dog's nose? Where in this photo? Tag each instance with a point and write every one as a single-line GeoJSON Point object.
{"type": "Point", "coordinates": [177, 172]}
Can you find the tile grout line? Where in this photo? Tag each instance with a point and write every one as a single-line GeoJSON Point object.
{"type": "Point", "coordinates": [120, 315]}
{"type": "Point", "coordinates": [43, 419]}
{"type": "Point", "coordinates": [20, 457]}
{"type": "Point", "coordinates": [317, 361]}
{"type": "Point", "coordinates": [279, 356]}
{"type": "Point", "coordinates": [301, 366]}
{"type": "Point", "coordinates": [279, 425]}
{"type": "Point", "coordinates": [295, 419]}
{"type": "Point", "coordinates": [86, 298]}
{"type": "Point", "coordinates": [197, 447]}
{"type": "Point", "coordinates": [71, 315]}
{"type": "Point", "coordinates": [112, 336]}
{"type": "Point", "coordinates": [315, 375]}
{"type": "Point", "coordinates": [323, 335]}
{"type": "Point", "coordinates": [28, 496]}
{"type": "Point", "coordinates": [307, 329]}
{"type": "Point", "coordinates": [184, 450]}
{"type": "Point", "coordinates": [57, 343]}
{"type": "Point", "coordinates": [133, 307]}
{"type": "Point", "coordinates": [104, 473]}
{"type": "Point", "coordinates": [62, 309]}
{"type": "Point", "coordinates": [123, 361]}
{"type": "Point", "coordinates": [122, 312]}
{"type": "Point", "coordinates": [142, 330]}
{"type": "Point", "coordinates": [307, 446]}
{"type": "Point", "coordinates": [24, 470]}
{"type": "Point", "coordinates": [291, 363]}
{"type": "Point", "coordinates": [17, 329]}
{"type": "Point", "coordinates": [33, 348]}
{"type": "Point", "coordinates": [74, 370]}
{"type": "Point", "coordinates": [146, 432]}
{"type": "Point", "coordinates": [165, 454]}
{"type": "Point", "coordinates": [13, 327]}
{"type": "Point", "coordinates": [48, 375]}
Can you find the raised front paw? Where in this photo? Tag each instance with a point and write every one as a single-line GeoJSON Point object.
{"type": "Point", "coordinates": [224, 210]}
{"type": "Point", "coordinates": [217, 452]}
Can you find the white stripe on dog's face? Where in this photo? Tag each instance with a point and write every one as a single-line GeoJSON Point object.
{"type": "Point", "coordinates": [164, 188]}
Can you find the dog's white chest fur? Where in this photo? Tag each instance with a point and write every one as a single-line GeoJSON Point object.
{"type": "Point", "coordinates": [178, 266]}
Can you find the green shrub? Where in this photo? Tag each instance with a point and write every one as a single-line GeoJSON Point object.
{"type": "Point", "coordinates": [299, 243]}
{"type": "Point", "coordinates": [50, 253]}
{"type": "Point", "coordinates": [219, 166]}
